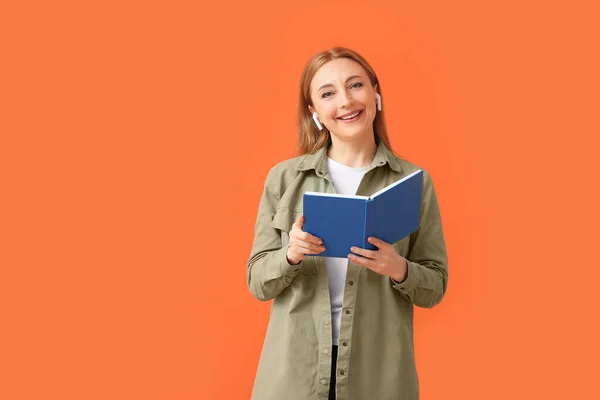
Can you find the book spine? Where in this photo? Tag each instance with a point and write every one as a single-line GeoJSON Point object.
{"type": "Point", "coordinates": [369, 218]}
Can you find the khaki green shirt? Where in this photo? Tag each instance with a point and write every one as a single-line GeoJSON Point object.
{"type": "Point", "coordinates": [376, 350]}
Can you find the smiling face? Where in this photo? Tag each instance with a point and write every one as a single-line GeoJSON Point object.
{"type": "Point", "coordinates": [344, 99]}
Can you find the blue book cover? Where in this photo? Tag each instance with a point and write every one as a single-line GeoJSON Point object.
{"type": "Point", "coordinates": [343, 221]}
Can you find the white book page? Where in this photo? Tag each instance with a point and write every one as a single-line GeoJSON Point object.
{"type": "Point", "coordinates": [348, 196]}
{"type": "Point", "coordinates": [395, 184]}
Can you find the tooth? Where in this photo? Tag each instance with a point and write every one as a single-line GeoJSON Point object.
{"type": "Point", "coordinates": [352, 116]}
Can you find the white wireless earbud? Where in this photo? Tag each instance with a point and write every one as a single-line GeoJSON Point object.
{"type": "Point", "coordinates": [317, 121]}
{"type": "Point", "coordinates": [378, 101]}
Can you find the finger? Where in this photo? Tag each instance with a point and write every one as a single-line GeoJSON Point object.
{"type": "Point", "coordinates": [307, 237]}
{"type": "Point", "coordinates": [378, 242]}
{"type": "Point", "coordinates": [304, 236]}
{"type": "Point", "coordinates": [365, 262]}
{"type": "Point", "coordinates": [364, 252]}
{"type": "Point", "coordinates": [299, 222]}
{"type": "Point", "coordinates": [307, 249]}
{"type": "Point", "coordinates": [310, 246]}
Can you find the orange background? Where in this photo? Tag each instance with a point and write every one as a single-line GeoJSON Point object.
{"type": "Point", "coordinates": [136, 136]}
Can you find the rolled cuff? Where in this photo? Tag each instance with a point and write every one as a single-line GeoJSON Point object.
{"type": "Point", "coordinates": [288, 270]}
{"type": "Point", "coordinates": [411, 280]}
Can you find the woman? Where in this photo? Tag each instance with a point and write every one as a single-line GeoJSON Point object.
{"type": "Point", "coordinates": [341, 327]}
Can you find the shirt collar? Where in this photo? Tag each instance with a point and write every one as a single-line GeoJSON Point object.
{"type": "Point", "coordinates": [318, 160]}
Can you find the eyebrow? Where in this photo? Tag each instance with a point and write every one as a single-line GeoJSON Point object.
{"type": "Point", "coordinates": [329, 84]}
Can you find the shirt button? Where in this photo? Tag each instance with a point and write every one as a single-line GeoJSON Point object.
{"type": "Point", "coordinates": [347, 311]}
{"type": "Point", "coordinates": [344, 343]}
{"type": "Point", "coordinates": [350, 283]}
{"type": "Point", "coordinates": [324, 381]}
{"type": "Point", "coordinates": [341, 372]}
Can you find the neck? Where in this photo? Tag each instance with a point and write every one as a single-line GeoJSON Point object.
{"type": "Point", "coordinates": [356, 153]}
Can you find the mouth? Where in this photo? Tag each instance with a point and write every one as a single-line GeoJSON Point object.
{"type": "Point", "coordinates": [351, 117]}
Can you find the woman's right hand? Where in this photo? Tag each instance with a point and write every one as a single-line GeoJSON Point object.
{"type": "Point", "coordinates": [302, 243]}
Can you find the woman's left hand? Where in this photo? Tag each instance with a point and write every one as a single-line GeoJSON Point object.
{"type": "Point", "coordinates": [385, 260]}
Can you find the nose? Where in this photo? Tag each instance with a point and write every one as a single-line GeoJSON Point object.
{"type": "Point", "coordinates": [346, 98]}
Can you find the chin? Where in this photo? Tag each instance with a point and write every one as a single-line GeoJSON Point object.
{"type": "Point", "coordinates": [348, 135]}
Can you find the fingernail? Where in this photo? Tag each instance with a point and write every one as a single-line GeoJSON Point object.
{"type": "Point", "coordinates": [353, 248]}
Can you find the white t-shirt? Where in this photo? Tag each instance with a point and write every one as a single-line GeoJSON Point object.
{"type": "Point", "coordinates": [345, 180]}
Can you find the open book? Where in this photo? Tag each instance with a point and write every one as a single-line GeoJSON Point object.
{"type": "Point", "coordinates": [343, 221]}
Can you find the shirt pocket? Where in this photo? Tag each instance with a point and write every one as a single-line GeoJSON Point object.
{"type": "Point", "coordinates": [283, 220]}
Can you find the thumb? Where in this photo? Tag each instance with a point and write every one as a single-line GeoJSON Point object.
{"type": "Point", "coordinates": [300, 221]}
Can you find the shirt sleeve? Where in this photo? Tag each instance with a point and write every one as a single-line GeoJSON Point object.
{"type": "Point", "coordinates": [268, 271]}
{"type": "Point", "coordinates": [427, 262]}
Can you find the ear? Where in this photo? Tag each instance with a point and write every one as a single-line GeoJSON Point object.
{"type": "Point", "coordinates": [310, 109]}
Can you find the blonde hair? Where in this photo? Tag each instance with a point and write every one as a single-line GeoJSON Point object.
{"type": "Point", "coordinates": [310, 138]}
